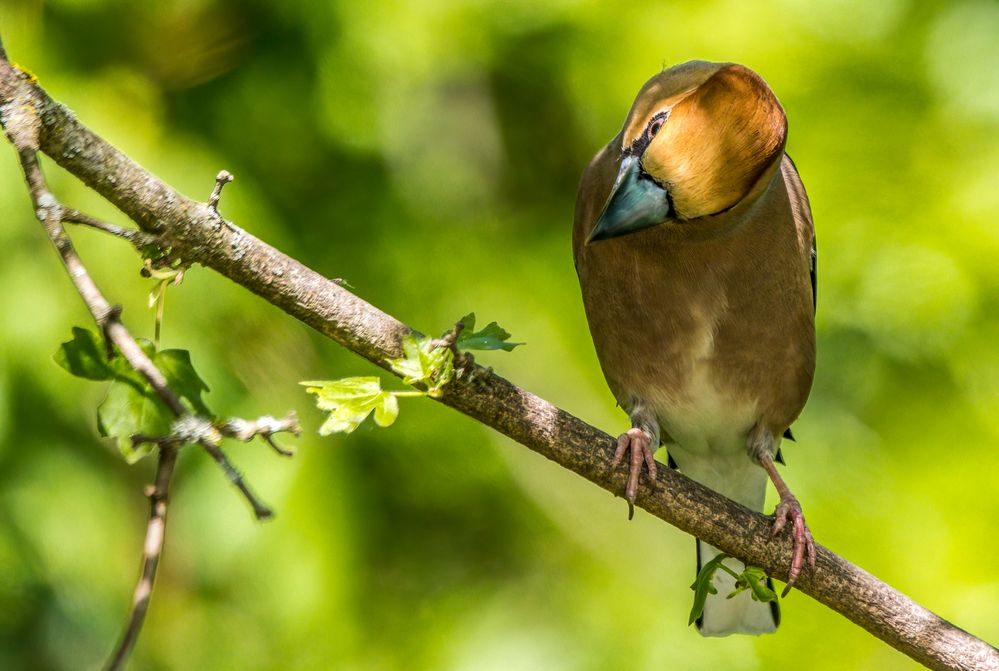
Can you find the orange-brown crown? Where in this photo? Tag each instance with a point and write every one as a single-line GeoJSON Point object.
{"type": "Point", "coordinates": [707, 133]}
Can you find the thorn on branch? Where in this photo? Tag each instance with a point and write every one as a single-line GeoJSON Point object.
{"type": "Point", "coordinates": [223, 178]}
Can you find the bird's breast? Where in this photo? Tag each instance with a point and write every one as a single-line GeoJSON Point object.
{"type": "Point", "coordinates": [711, 340]}
{"type": "Point", "coordinates": [685, 381]}
{"type": "Point", "coordinates": [700, 414]}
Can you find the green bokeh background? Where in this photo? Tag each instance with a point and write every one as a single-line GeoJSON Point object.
{"type": "Point", "coordinates": [428, 153]}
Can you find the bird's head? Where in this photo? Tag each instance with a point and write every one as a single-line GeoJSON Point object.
{"type": "Point", "coordinates": [696, 142]}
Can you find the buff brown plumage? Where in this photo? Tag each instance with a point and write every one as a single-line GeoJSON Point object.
{"type": "Point", "coordinates": [695, 249]}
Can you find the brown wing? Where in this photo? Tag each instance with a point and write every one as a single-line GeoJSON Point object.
{"type": "Point", "coordinates": [803, 217]}
{"type": "Point", "coordinates": [803, 220]}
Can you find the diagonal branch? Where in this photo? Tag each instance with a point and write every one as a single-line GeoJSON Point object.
{"type": "Point", "coordinates": [198, 234]}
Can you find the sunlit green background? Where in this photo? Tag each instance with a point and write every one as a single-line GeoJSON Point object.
{"type": "Point", "coordinates": [428, 153]}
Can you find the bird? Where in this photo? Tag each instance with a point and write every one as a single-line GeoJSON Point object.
{"type": "Point", "coordinates": [694, 246]}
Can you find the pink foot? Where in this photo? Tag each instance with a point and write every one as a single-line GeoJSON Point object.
{"type": "Point", "coordinates": [640, 444]}
{"type": "Point", "coordinates": [789, 510]}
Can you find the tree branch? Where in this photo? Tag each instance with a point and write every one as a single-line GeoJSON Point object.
{"type": "Point", "coordinates": [152, 548]}
{"type": "Point", "coordinates": [50, 214]}
{"type": "Point", "coordinates": [197, 233]}
{"type": "Point", "coordinates": [21, 125]}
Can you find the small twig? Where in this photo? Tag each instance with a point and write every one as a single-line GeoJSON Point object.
{"type": "Point", "coordinates": [191, 429]}
{"type": "Point", "coordinates": [223, 178]}
{"type": "Point", "coordinates": [449, 339]}
{"type": "Point", "coordinates": [152, 550]}
{"type": "Point", "coordinates": [136, 237]}
{"type": "Point", "coordinates": [50, 213]}
{"type": "Point", "coordinates": [260, 510]}
{"type": "Point", "coordinates": [265, 427]}
{"type": "Point", "coordinates": [186, 429]}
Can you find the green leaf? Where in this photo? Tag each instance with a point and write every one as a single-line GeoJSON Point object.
{"type": "Point", "coordinates": [423, 364]}
{"type": "Point", "coordinates": [84, 356]}
{"type": "Point", "coordinates": [147, 346]}
{"type": "Point", "coordinates": [129, 409]}
{"type": "Point", "coordinates": [409, 365]}
{"type": "Point", "coordinates": [387, 412]}
{"type": "Point", "coordinates": [756, 579]}
{"type": "Point", "coordinates": [332, 393]}
{"type": "Point", "coordinates": [342, 421]}
{"type": "Point", "coordinates": [349, 402]}
{"type": "Point", "coordinates": [176, 366]}
{"type": "Point", "coordinates": [131, 406]}
{"type": "Point", "coordinates": [703, 586]}
{"type": "Point", "coordinates": [493, 336]}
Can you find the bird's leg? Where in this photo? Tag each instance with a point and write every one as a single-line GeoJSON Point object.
{"type": "Point", "coordinates": [788, 510]}
{"type": "Point", "coordinates": [641, 439]}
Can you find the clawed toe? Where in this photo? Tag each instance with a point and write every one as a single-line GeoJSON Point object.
{"type": "Point", "coordinates": [640, 445]}
{"type": "Point", "coordinates": [789, 510]}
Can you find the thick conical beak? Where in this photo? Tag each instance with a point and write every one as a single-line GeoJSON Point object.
{"type": "Point", "coordinates": [636, 202]}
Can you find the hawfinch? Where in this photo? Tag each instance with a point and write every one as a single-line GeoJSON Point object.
{"type": "Point", "coordinates": [695, 250]}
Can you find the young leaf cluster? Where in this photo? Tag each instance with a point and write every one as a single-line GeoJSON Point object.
{"type": "Point", "coordinates": [131, 406]}
{"type": "Point", "coordinates": [752, 578]}
{"type": "Point", "coordinates": [350, 400]}
{"type": "Point", "coordinates": [492, 336]}
{"type": "Point", "coordinates": [424, 363]}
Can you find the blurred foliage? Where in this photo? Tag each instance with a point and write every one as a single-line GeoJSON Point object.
{"type": "Point", "coordinates": [428, 153]}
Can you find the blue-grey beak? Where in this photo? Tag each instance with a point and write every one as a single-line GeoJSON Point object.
{"type": "Point", "coordinates": [636, 202]}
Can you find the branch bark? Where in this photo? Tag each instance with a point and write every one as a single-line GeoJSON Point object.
{"type": "Point", "coordinates": [197, 233]}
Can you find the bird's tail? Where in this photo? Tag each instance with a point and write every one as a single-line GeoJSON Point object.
{"type": "Point", "coordinates": [741, 480]}
{"type": "Point", "coordinates": [740, 614]}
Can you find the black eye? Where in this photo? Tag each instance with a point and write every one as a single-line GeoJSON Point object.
{"type": "Point", "coordinates": [656, 124]}
{"type": "Point", "coordinates": [641, 142]}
